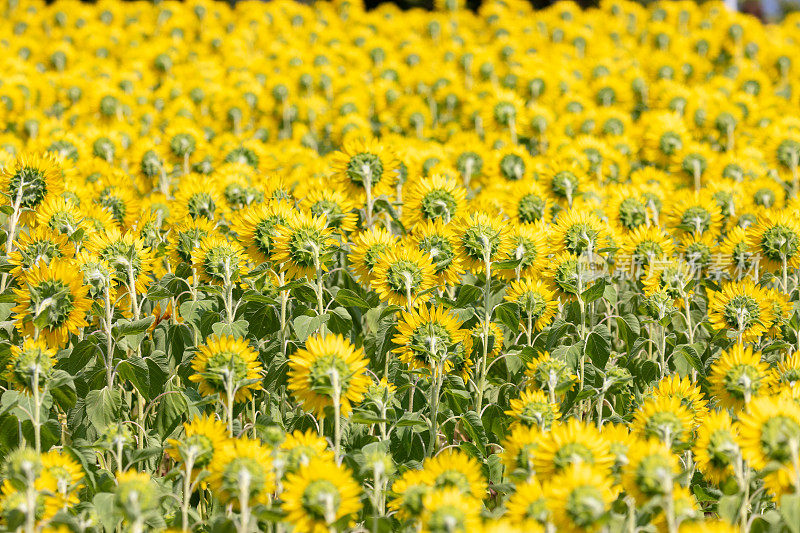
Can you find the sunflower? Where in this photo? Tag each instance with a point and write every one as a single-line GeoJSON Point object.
{"type": "Point", "coordinates": [30, 179]}
{"type": "Point", "coordinates": [736, 250]}
{"type": "Point", "coordinates": [570, 275]}
{"type": "Point", "coordinates": [365, 168]}
{"type": "Point", "coordinates": [126, 254]}
{"type": "Point", "coordinates": [694, 213]}
{"type": "Point", "coordinates": [60, 479]}
{"type": "Point", "coordinates": [738, 375]}
{"type": "Point", "coordinates": [564, 181]}
{"type": "Point", "coordinates": [455, 470]}
{"type": "Point", "coordinates": [651, 470]}
{"type": "Point", "coordinates": [578, 233]}
{"type": "Point", "coordinates": [409, 491]}
{"type": "Point", "coordinates": [136, 495]}
{"type": "Point", "coordinates": [435, 198]}
{"type": "Point", "coordinates": [527, 203]}
{"type": "Point", "coordinates": [642, 246]}
{"type": "Point", "coordinates": [203, 439]}
{"type": "Point", "coordinates": [776, 240]}
{"type": "Point", "coordinates": [326, 364]}
{"type": "Point", "coordinates": [61, 215]}
{"type": "Point", "coordinates": [768, 430]}
{"type": "Point", "coordinates": [449, 511]}
{"type": "Point", "coordinates": [664, 418]}
{"type": "Point", "coordinates": [494, 338]}
{"type": "Point", "coordinates": [41, 245]}
{"type": "Point", "coordinates": [299, 448]}
{"type": "Point", "coordinates": [537, 303]}
{"type": "Point", "coordinates": [242, 471]}
{"type": "Point", "coordinates": [225, 365]}
{"type": "Point", "coordinates": [716, 447]}
{"type": "Point", "coordinates": [664, 141]}
{"type": "Point", "coordinates": [481, 237]}
{"type": "Point", "coordinates": [333, 206]}
{"type": "Point", "coordinates": [528, 504]}
{"type": "Point", "coordinates": [303, 246]}
{"type": "Point", "coordinates": [186, 236]}
{"type": "Point", "coordinates": [402, 275]}
{"type": "Point", "coordinates": [365, 250]}
{"type": "Point", "coordinates": [440, 243]}
{"type": "Point", "coordinates": [568, 443]}
{"type": "Point", "coordinates": [218, 260]}
{"type": "Point", "coordinates": [579, 497]}
{"type": "Point", "coordinates": [197, 198]}
{"type": "Point", "coordinates": [30, 366]}
{"type": "Point", "coordinates": [256, 228]}
{"type": "Point", "coordinates": [319, 495]}
{"type": "Point", "coordinates": [742, 307]}
{"type": "Point", "coordinates": [627, 208]}
{"type": "Point", "coordinates": [534, 409]}
{"type": "Point", "coordinates": [51, 302]}
{"type": "Point", "coordinates": [519, 447]}
{"type": "Point", "coordinates": [550, 374]}
{"type": "Point", "coordinates": [669, 277]}
{"type": "Point", "coordinates": [426, 337]}
{"type": "Point", "coordinates": [687, 392]}
{"type": "Point", "coordinates": [785, 373]}
{"type": "Point", "coordinates": [527, 250]}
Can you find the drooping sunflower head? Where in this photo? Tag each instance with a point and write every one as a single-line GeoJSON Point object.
{"type": "Point", "coordinates": [455, 470]}
{"type": "Point", "coordinates": [440, 243]}
{"type": "Point", "coordinates": [427, 338]}
{"type": "Point", "coordinates": [651, 470]}
{"type": "Point", "coordinates": [226, 365]}
{"type": "Point", "coordinates": [61, 215]}
{"type": "Point", "coordinates": [363, 165]}
{"type": "Point", "coordinates": [298, 449]}
{"type": "Point", "coordinates": [537, 302]}
{"type": "Point", "coordinates": [410, 490]}
{"type": "Point", "coordinates": [40, 245]}
{"type": "Point", "coordinates": [570, 275]}
{"type": "Point", "coordinates": [218, 260]}
{"type": "Point", "coordinates": [438, 197]}
{"type": "Point", "coordinates": [579, 497]}
{"type": "Point", "coordinates": [52, 301]}
{"type": "Point", "coordinates": [30, 365]}
{"type": "Point", "coordinates": [198, 198]}
{"type": "Point", "coordinates": [319, 495]}
{"type": "Point", "coordinates": [400, 276]}
{"type": "Point", "coordinates": [30, 179]}
{"type": "Point", "coordinates": [303, 246]}
{"type": "Point", "coordinates": [738, 376]}
{"type": "Point", "coordinates": [527, 203]}
{"type": "Point", "coordinates": [776, 240]}
{"type": "Point", "coordinates": [768, 430]}
{"type": "Point", "coordinates": [694, 213]}
{"type": "Point", "coordinates": [328, 369]}
{"type": "Point", "coordinates": [448, 509]}
{"type": "Point", "coordinates": [126, 254]}
{"type": "Point", "coordinates": [187, 236]}
{"type": "Point", "coordinates": [136, 495]}
{"type": "Point", "coordinates": [716, 447]}
{"type": "Point", "coordinates": [569, 443]}
{"type": "Point", "coordinates": [256, 228]}
{"type": "Point", "coordinates": [527, 506]}
{"type": "Point", "coordinates": [534, 409]}
{"type": "Point", "coordinates": [686, 391]}
{"type": "Point", "coordinates": [666, 419]}
{"type": "Point", "coordinates": [742, 307]}
{"type": "Point", "coordinates": [527, 251]}
{"type": "Point", "coordinates": [366, 249]}
{"type": "Point", "coordinates": [481, 238]}
{"type": "Point", "coordinates": [242, 469]}
{"type": "Point", "coordinates": [203, 439]}
{"type": "Point", "coordinates": [642, 246]}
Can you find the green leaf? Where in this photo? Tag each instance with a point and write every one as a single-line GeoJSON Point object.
{"type": "Point", "coordinates": [595, 292]}
{"type": "Point", "coordinates": [306, 325]}
{"type": "Point", "coordinates": [598, 345]}
{"type": "Point", "coordinates": [790, 511]}
{"type": "Point", "coordinates": [80, 355]}
{"type": "Point", "coordinates": [134, 369]}
{"type": "Point", "coordinates": [124, 328]}
{"type": "Point", "coordinates": [507, 313]}
{"type": "Point", "coordinates": [103, 406]}
{"type": "Point", "coordinates": [473, 426]}
{"type": "Point", "coordinates": [237, 329]}
{"type": "Point", "coordinates": [467, 295]}
{"type": "Point", "coordinates": [348, 298]}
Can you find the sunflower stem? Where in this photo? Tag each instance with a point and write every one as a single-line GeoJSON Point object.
{"type": "Point", "coordinates": [436, 384]}
{"type": "Point", "coordinates": [109, 362]}
{"type": "Point", "coordinates": [188, 466]}
{"type": "Point", "coordinates": [487, 317]}
{"type": "Point", "coordinates": [37, 408]}
{"type": "Point", "coordinates": [244, 501]}
{"type": "Point", "coordinates": [337, 423]}
{"type": "Point", "coordinates": [284, 305]}
{"type": "Point", "coordinates": [12, 229]}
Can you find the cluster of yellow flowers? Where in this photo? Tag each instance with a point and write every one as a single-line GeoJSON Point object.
{"type": "Point", "coordinates": [314, 268]}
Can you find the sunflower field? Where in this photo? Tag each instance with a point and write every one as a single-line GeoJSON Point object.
{"type": "Point", "coordinates": [318, 269]}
